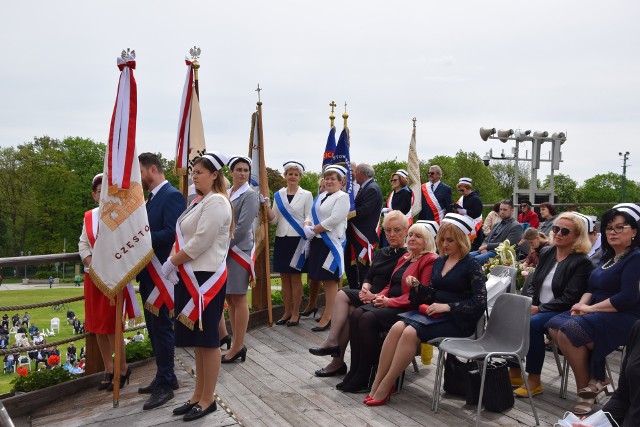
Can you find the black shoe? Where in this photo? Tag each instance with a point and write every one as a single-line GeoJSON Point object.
{"type": "Point", "coordinates": [186, 407]}
{"type": "Point", "coordinates": [242, 354]}
{"type": "Point", "coordinates": [321, 328]}
{"type": "Point", "coordinates": [106, 381]}
{"type": "Point", "coordinates": [282, 321]}
{"type": "Point", "coordinates": [159, 397]}
{"type": "Point", "coordinates": [226, 340]}
{"type": "Point", "coordinates": [319, 351]}
{"type": "Point", "coordinates": [148, 389]}
{"type": "Point", "coordinates": [340, 371]}
{"type": "Point", "coordinates": [197, 412]}
{"type": "Point", "coordinates": [123, 378]}
{"type": "Point", "coordinates": [293, 323]}
{"type": "Point", "coordinates": [175, 385]}
{"type": "Point", "coordinates": [307, 313]}
{"type": "Point", "coordinates": [355, 388]}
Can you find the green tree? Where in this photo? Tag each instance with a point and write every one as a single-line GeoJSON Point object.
{"type": "Point", "coordinates": [565, 188]}
{"type": "Point", "coordinates": [606, 188]}
{"type": "Point", "coordinates": [504, 173]}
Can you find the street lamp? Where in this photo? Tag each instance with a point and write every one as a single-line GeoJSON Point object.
{"type": "Point", "coordinates": [536, 138]}
{"type": "Point", "coordinates": [625, 156]}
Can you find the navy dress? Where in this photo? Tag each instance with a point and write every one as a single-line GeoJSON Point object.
{"type": "Point", "coordinates": [463, 288]}
{"type": "Point", "coordinates": [607, 331]}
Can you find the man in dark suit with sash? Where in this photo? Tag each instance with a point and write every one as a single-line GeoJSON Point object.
{"type": "Point", "coordinates": [436, 197]}
{"type": "Point", "coordinates": [164, 206]}
{"type": "Point", "coordinates": [362, 227]}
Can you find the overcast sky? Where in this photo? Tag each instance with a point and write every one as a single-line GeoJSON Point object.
{"type": "Point", "coordinates": [570, 66]}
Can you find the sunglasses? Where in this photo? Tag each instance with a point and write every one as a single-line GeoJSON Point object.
{"type": "Point", "coordinates": [395, 180]}
{"type": "Point", "coordinates": [524, 206]}
{"type": "Point", "coordinates": [433, 173]}
{"type": "Point", "coordinates": [460, 190]}
{"type": "Point", "coordinates": [561, 230]}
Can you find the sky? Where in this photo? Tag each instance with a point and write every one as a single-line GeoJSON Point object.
{"type": "Point", "coordinates": [568, 66]}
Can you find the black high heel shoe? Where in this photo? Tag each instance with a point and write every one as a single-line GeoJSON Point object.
{"type": "Point", "coordinates": [226, 340]}
{"type": "Point", "coordinates": [242, 354]}
{"type": "Point", "coordinates": [307, 313]}
{"type": "Point", "coordinates": [320, 351]}
{"type": "Point", "coordinates": [123, 378]}
{"type": "Point", "coordinates": [321, 328]}
{"type": "Point", "coordinates": [283, 321]}
{"type": "Point", "coordinates": [106, 381]}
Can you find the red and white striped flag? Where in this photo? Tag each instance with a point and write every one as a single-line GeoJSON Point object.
{"type": "Point", "coordinates": [190, 143]}
{"type": "Point", "coordinates": [124, 246]}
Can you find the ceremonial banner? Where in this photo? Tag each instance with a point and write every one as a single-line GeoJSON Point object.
{"type": "Point", "coordinates": [190, 143]}
{"type": "Point", "coordinates": [254, 181]}
{"type": "Point", "coordinates": [329, 149]}
{"type": "Point", "coordinates": [342, 157]}
{"type": "Point", "coordinates": [413, 167]}
{"type": "Point", "coordinates": [124, 246]}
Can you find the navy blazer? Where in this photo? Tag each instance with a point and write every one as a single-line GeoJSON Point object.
{"type": "Point", "coordinates": [368, 208]}
{"type": "Point", "coordinates": [443, 195]}
{"type": "Point", "coordinates": [163, 211]}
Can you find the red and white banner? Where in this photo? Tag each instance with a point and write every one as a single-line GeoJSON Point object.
{"type": "Point", "coordinates": [190, 143]}
{"type": "Point", "coordinates": [124, 246]}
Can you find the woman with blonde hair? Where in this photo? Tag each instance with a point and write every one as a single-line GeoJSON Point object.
{"type": "Point", "coordinates": [456, 296]}
{"type": "Point", "coordinates": [558, 282]}
{"type": "Point", "coordinates": [291, 206]}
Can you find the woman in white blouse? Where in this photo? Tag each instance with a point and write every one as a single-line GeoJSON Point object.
{"type": "Point", "coordinates": [291, 206]}
{"type": "Point", "coordinates": [203, 232]}
{"type": "Point", "coordinates": [326, 227]}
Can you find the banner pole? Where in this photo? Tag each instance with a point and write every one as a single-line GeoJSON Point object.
{"type": "Point", "coordinates": [118, 350]}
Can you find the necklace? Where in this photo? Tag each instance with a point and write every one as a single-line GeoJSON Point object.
{"type": "Point", "coordinates": [613, 261]}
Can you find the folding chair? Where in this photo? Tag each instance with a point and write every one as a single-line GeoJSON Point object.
{"type": "Point", "coordinates": [506, 336]}
{"type": "Point", "coordinates": [55, 324]}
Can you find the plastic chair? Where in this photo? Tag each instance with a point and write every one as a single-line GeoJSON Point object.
{"type": "Point", "coordinates": [506, 336]}
{"type": "Point", "coordinates": [55, 323]}
{"type": "Point", "coordinates": [512, 272]}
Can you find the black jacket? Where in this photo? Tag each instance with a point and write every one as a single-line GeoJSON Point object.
{"type": "Point", "coordinates": [368, 203]}
{"type": "Point", "coordinates": [569, 280]}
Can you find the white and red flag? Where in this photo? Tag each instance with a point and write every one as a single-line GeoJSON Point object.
{"type": "Point", "coordinates": [124, 247]}
{"type": "Point", "coordinates": [190, 143]}
{"type": "Point", "coordinates": [413, 167]}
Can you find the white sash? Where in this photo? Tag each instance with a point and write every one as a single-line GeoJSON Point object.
{"type": "Point", "coordinates": [433, 203]}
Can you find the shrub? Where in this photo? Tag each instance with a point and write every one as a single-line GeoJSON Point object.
{"type": "Point", "coordinates": [36, 380]}
{"type": "Point", "coordinates": [139, 350]}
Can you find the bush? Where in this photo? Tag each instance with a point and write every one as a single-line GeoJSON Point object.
{"type": "Point", "coordinates": [36, 380]}
{"type": "Point", "coordinates": [139, 350]}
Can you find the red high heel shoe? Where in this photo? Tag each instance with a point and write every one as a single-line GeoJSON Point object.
{"type": "Point", "coordinates": [373, 402]}
{"type": "Point", "coordinates": [366, 399]}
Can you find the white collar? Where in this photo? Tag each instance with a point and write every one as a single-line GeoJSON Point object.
{"type": "Point", "coordinates": [239, 192]}
{"type": "Point", "coordinates": [158, 187]}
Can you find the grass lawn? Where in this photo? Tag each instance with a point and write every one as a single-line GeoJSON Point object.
{"type": "Point", "coordinates": [41, 317]}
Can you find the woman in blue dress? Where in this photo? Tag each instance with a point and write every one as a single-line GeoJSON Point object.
{"type": "Point", "coordinates": [601, 321]}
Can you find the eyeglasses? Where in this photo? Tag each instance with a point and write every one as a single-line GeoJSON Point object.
{"type": "Point", "coordinates": [524, 206]}
{"type": "Point", "coordinates": [433, 173]}
{"type": "Point", "coordinates": [198, 171]}
{"type": "Point", "coordinates": [561, 230]}
{"type": "Point", "coordinates": [617, 229]}
{"type": "Point", "coordinates": [394, 230]}
{"type": "Point", "coordinates": [460, 190]}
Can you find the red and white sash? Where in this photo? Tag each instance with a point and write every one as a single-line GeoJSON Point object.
{"type": "Point", "coordinates": [162, 293]}
{"type": "Point", "coordinates": [246, 261]}
{"type": "Point", "coordinates": [202, 295]}
{"type": "Point", "coordinates": [366, 253]}
{"type": "Point", "coordinates": [131, 306]}
{"type": "Point", "coordinates": [477, 222]}
{"type": "Point", "coordinates": [432, 201]}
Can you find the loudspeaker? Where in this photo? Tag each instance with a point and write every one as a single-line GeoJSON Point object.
{"type": "Point", "coordinates": [485, 133]}
{"type": "Point", "coordinates": [503, 134]}
{"type": "Point", "coordinates": [542, 134]}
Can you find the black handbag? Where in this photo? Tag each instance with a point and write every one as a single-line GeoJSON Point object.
{"type": "Point", "coordinates": [455, 376]}
{"type": "Point", "coordinates": [498, 393]}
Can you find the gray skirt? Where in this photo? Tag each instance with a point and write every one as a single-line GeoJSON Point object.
{"type": "Point", "coordinates": [237, 277]}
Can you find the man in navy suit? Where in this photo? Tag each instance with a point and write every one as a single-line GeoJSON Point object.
{"type": "Point", "coordinates": [164, 206]}
{"type": "Point", "coordinates": [362, 227]}
{"type": "Point", "coordinates": [436, 197]}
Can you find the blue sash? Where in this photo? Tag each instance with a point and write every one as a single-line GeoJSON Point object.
{"type": "Point", "coordinates": [300, 253]}
{"type": "Point", "coordinates": [333, 247]}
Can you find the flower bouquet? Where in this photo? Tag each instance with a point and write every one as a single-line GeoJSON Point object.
{"type": "Point", "coordinates": [507, 257]}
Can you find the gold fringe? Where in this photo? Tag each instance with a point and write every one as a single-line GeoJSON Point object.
{"type": "Point", "coordinates": [152, 308]}
{"type": "Point", "coordinates": [351, 214]}
{"type": "Point", "coordinates": [112, 293]}
{"type": "Point", "coordinates": [185, 321]}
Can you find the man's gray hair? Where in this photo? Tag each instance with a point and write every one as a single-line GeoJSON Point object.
{"type": "Point", "coordinates": [437, 168]}
{"type": "Point", "coordinates": [366, 170]}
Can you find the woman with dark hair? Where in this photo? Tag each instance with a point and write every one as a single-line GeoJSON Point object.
{"type": "Point", "coordinates": [469, 204]}
{"type": "Point", "coordinates": [457, 293]}
{"type": "Point", "coordinates": [100, 313]}
{"type": "Point", "coordinates": [292, 205]}
{"type": "Point", "coordinates": [548, 213]}
{"type": "Point", "coordinates": [601, 321]}
{"type": "Point", "coordinates": [245, 203]}
{"type": "Point", "coordinates": [199, 267]}
{"type": "Point", "coordinates": [399, 200]}
{"type": "Point", "coordinates": [537, 241]}
{"type": "Point", "coordinates": [558, 282]}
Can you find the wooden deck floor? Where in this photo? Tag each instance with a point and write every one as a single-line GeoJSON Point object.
{"type": "Point", "coordinates": [276, 387]}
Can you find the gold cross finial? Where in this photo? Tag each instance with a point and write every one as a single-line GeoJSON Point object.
{"type": "Point", "coordinates": [414, 120]}
{"type": "Point", "coordinates": [332, 116]}
{"type": "Point", "coordinates": [258, 90]}
{"type": "Point", "coordinates": [345, 116]}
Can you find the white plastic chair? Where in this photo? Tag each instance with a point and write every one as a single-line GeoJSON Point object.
{"type": "Point", "coordinates": [24, 361]}
{"type": "Point", "coordinates": [506, 336]}
{"type": "Point", "coordinates": [55, 323]}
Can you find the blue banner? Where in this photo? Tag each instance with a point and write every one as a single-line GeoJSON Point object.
{"type": "Point", "coordinates": [329, 149]}
{"type": "Point", "coordinates": [342, 157]}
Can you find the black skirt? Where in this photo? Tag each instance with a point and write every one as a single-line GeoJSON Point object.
{"type": "Point", "coordinates": [317, 255]}
{"type": "Point", "coordinates": [283, 251]}
{"type": "Point", "coordinates": [208, 337]}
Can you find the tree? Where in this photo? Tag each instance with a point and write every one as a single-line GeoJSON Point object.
{"type": "Point", "coordinates": [606, 188]}
{"type": "Point", "coordinates": [565, 188]}
{"type": "Point", "coordinates": [504, 173]}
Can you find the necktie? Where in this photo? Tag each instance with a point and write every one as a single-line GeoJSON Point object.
{"type": "Point", "coordinates": [150, 197]}
{"type": "Point", "coordinates": [432, 187]}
